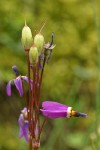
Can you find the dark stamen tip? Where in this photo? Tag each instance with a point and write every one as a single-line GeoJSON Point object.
{"type": "Point", "coordinates": [79, 114]}
{"type": "Point", "coordinates": [15, 69]}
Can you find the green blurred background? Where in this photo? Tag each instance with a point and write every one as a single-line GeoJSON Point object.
{"type": "Point", "coordinates": [71, 77]}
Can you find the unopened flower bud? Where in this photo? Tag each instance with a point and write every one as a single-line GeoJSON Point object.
{"type": "Point", "coordinates": [33, 55]}
{"type": "Point", "coordinates": [26, 37]}
{"type": "Point", "coordinates": [39, 42]}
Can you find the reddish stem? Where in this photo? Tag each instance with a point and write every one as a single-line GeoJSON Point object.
{"type": "Point", "coordinates": [33, 101]}
{"type": "Point", "coordinates": [42, 128]}
{"type": "Point", "coordinates": [38, 99]}
{"type": "Point", "coordinates": [30, 123]}
{"type": "Point", "coordinates": [40, 82]}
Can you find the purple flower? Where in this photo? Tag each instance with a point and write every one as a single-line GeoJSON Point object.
{"type": "Point", "coordinates": [57, 110]}
{"type": "Point", "coordinates": [24, 125]}
{"type": "Point", "coordinates": [18, 83]}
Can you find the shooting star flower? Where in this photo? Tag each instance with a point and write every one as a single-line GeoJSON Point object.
{"type": "Point", "coordinates": [18, 81]}
{"type": "Point", "coordinates": [24, 125]}
{"type": "Point", "coordinates": [57, 110]}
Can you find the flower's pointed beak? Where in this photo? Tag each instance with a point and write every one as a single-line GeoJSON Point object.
{"type": "Point", "coordinates": [15, 69]}
{"type": "Point", "coordinates": [79, 114]}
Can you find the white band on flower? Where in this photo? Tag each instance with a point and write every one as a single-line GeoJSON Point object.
{"type": "Point", "coordinates": [69, 112]}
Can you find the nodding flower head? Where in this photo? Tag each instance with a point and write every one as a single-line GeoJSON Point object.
{"type": "Point", "coordinates": [24, 125]}
{"type": "Point", "coordinates": [18, 81]}
{"type": "Point", "coordinates": [57, 110]}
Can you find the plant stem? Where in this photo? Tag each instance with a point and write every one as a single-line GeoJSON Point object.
{"type": "Point", "coordinates": [38, 99]}
{"type": "Point", "coordinates": [33, 101]}
{"type": "Point", "coordinates": [42, 128]}
{"type": "Point", "coordinates": [30, 123]}
{"type": "Point", "coordinates": [40, 82]}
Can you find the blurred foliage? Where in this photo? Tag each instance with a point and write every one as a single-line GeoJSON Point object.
{"type": "Point", "coordinates": [73, 71]}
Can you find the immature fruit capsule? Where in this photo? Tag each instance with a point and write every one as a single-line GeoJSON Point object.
{"type": "Point", "coordinates": [39, 42]}
{"type": "Point", "coordinates": [33, 55]}
{"type": "Point", "coordinates": [26, 37]}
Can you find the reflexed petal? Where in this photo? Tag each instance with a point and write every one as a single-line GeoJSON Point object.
{"type": "Point", "coordinates": [54, 110]}
{"type": "Point", "coordinates": [24, 110]}
{"type": "Point", "coordinates": [24, 126]}
{"type": "Point", "coordinates": [26, 79]}
{"type": "Point", "coordinates": [25, 130]}
{"type": "Point", "coordinates": [54, 113]}
{"type": "Point", "coordinates": [21, 120]}
{"type": "Point", "coordinates": [21, 132]}
{"type": "Point", "coordinates": [53, 106]}
{"type": "Point", "coordinates": [18, 84]}
{"type": "Point", "coordinates": [8, 88]}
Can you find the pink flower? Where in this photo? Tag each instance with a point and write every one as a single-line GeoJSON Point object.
{"type": "Point", "coordinates": [57, 110]}
{"type": "Point", "coordinates": [24, 125]}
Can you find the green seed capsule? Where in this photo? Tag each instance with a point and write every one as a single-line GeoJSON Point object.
{"type": "Point", "coordinates": [33, 55]}
{"type": "Point", "coordinates": [39, 42]}
{"type": "Point", "coordinates": [26, 37]}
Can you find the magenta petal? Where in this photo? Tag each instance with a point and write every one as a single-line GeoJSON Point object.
{"type": "Point", "coordinates": [18, 84]}
{"type": "Point", "coordinates": [54, 110]}
{"type": "Point", "coordinates": [8, 88]}
{"type": "Point", "coordinates": [54, 113]}
{"type": "Point", "coordinates": [53, 105]}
